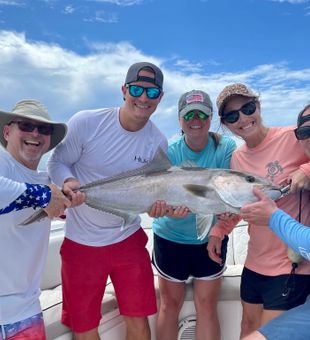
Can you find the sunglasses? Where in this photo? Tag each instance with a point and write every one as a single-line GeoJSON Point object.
{"type": "Point", "coordinates": [43, 129]}
{"type": "Point", "coordinates": [303, 132]}
{"type": "Point", "coordinates": [137, 90]}
{"type": "Point", "coordinates": [233, 116]}
{"type": "Point", "coordinates": [191, 114]}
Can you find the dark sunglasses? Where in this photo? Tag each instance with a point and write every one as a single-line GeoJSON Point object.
{"type": "Point", "coordinates": [302, 132]}
{"type": "Point", "coordinates": [191, 114]}
{"type": "Point", "coordinates": [233, 116]}
{"type": "Point", "coordinates": [43, 129]}
{"type": "Point", "coordinates": [137, 90]}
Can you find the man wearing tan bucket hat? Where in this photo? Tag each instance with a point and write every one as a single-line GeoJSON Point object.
{"type": "Point", "coordinates": [27, 132]}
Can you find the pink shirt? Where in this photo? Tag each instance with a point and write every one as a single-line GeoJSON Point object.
{"type": "Point", "coordinates": [275, 158]}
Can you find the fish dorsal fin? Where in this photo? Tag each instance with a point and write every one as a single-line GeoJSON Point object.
{"type": "Point", "coordinates": [197, 190]}
{"type": "Point", "coordinates": [160, 162]}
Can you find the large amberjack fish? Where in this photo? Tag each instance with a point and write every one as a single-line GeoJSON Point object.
{"type": "Point", "coordinates": [206, 192]}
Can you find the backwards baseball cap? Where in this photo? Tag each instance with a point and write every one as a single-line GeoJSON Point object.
{"type": "Point", "coordinates": [229, 91]}
{"type": "Point", "coordinates": [32, 109]}
{"type": "Point", "coordinates": [133, 74]}
{"type": "Point", "coordinates": [195, 100]}
{"type": "Point", "coordinates": [303, 118]}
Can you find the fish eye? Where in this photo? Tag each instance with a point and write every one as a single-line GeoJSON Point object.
{"type": "Point", "coordinates": [250, 179]}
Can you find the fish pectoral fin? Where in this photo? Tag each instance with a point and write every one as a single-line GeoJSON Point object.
{"type": "Point", "coordinates": [127, 217]}
{"type": "Point", "coordinates": [203, 225]}
{"type": "Point", "coordinates": [197, 190]}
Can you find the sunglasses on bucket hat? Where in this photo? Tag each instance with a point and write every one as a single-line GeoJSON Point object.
{"type": "Point", "coordinates": [137, 91]}
{"type": "Point", "coordinates": [302, 132]}
{"type": "Point", "coordinates": [191, 114]}
{"type": "Point", "coordinates": [43, 129]}
{"type": "Point", "coordinates": [233, 116]}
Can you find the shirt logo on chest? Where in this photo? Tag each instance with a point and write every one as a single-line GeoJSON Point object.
{"type": "Point", "coordinates": [140, 159]}
{"type": "Point", "coordinates": [273, 169]}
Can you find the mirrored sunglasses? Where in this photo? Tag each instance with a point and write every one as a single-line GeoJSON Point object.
{"type": "Point", "coordinates": [303, 132]}
{"type": "Point", "coordinates": [191, 114]}
{"type": "Point", "coordinates": [233, 116]}
{"type": "Point", "coordinates": [43, 129]}
{"type": "Point", "coordinates": [137, 90]}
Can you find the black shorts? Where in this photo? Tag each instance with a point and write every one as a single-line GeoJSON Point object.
{"type": "Point", "coordinates": [272, 291]}
{"type": "Point", "coordinates": [178, 261]}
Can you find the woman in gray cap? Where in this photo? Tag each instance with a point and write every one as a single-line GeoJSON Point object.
{"type": "Point", "coordinates": [271, 282]}
{"type": "Point", "coordinates": [178, 254]}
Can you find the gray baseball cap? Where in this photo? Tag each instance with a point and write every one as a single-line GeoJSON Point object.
{"type": "Point", "coordinates": [195, 100]}
{"type": "Point", "coordinates": [133, 74]}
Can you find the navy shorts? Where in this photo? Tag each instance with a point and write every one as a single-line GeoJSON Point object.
{"type": "Point", "coordinates": [293, 324]}
{"type": "Point", "coordinates": [272, 292]}
{"type": "Point", "coordinates": [178, 261]}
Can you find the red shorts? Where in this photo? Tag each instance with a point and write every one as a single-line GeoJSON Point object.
{"type": "Point", "coordinates": [85, 270]}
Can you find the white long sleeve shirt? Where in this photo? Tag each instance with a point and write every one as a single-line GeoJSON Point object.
{"type": "Point", "coordinates": [96, 147]}
{"type": "Point", "coordinates": [10, 190]}
{"type": "Point", "coordinates": [23, 249]}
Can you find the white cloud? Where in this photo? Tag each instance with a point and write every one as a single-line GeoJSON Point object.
{"type": "Point", "coordinates": [103, 17]}
{"type": "Point", "coordinates": [69, 9]}
{"type": "Point", "coordinates": [294, 2]}
{"type": "Point", "coordinates": [120, 2]}
{"type": "Point", "coordinates": [12, 3]}
{"type": "Point", "coordinates": [67, 82]}
{"type": "Point", "coordinates": [188, 66]}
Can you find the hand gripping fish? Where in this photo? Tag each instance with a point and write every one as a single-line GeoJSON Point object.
{"type": "Point", "coordinates": [206, 192]}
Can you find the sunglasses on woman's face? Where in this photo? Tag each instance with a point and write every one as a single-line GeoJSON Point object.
{"type": "Point", "coordinates": [137, 90]}
{"type": "Point", "coordinates": [43, 129]}
{"type": "Point", "coordinates": [232, 117]}
{"type": "Point", "coordinates": [302, 132]}
{"type": "Point", "coordinates": [191, 114]}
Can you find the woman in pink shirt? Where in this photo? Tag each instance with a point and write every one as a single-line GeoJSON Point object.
{"type": "Point", "coordinates": [270, 284]}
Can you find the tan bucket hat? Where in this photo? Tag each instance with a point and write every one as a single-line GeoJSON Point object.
{"type": "Point", "coordinates": [32, 109]}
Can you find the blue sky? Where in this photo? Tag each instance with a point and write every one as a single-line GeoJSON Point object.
{"type": "Point", "coordinates": [73, 55]}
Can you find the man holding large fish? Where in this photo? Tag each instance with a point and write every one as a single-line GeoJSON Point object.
{"type": "Point", "coordinates": [103, 143]}
{"type": "Point", "coordinates": [26, 134]}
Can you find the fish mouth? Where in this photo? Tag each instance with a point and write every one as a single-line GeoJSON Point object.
{"type": "Point", "coordinates": [273, 192]}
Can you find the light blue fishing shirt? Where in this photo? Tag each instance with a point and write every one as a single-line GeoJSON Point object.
{"type": "Point", "coordinates": [293, 233]}
{"type": "Point", "coordinates": [183, 230]}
